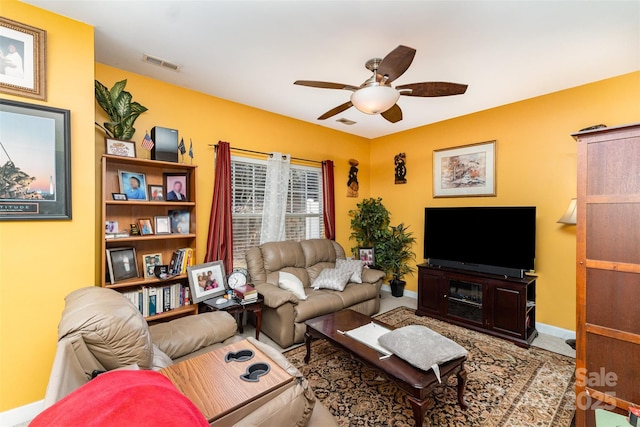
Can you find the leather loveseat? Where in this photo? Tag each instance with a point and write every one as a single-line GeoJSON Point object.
{"type": "Point", "coordinates": [100, 330]}
{"type": "Point", "coordinates": [284, 313]}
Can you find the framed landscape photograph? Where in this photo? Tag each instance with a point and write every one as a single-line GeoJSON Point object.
{"type": "Point", "coordinates": [368, 256]}
{"type": "Point", "coordinates": [149, 262]}
{"type": "Point", "coordinates": [175, 187]}
{"type": "Point", "coordinates": [180, 221]}
{"type": "Point", "coordinates": [118, 147]}
{"type": "Point", "coordinates": [35, 162]}
{"type": "Point", "coordinates": [465, 171]}
{"type": "Point", "coordinates": [206, 281]}
{"type": "Point", "coordinates": [133, 184]}
{"type": "Point", "coordinates": [23, 60]}
{"type": "Point", "coordinates": [122, 264]}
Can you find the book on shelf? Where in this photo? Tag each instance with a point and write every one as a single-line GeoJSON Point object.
{"type": "Point", "coordinates": [151, 300]}
{"type": "Point", "coordinates": [180, 260]}
{"type": "Point", "coordinates": [246, 293]}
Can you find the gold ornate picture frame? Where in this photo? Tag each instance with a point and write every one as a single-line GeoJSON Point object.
{"type": "Point", "coordinates": [465, 171]}
{"type": "Point", "coordinates": [22, 60]}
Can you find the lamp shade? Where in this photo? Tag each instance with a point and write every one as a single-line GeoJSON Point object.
{"type": "Point", "coordinates": [569, 217]}
{"type": "Point", "coordinates": [374, 99]}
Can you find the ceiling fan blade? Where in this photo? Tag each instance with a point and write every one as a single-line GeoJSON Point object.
{"type": "Point", "coordinates": [325, 85]}
{"type": "Point", "coordinates": [432, 89]}
{"type": "Point", "coordinates": [395, 63]}
{"type": "Point", "coordinates": [336, 110]}
{"type": "Point", "coordinates": [393, 114]}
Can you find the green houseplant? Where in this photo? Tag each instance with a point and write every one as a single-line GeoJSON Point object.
{"type": "Point", "coordinates": [369, 223]}
{"type": "Point", "coordinates": [116, 102]}
{"type": "Point", "coordinates": [393, 253]}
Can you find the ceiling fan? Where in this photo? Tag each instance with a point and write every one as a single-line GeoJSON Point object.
{"type": "Point", "coordinates": [377, 96]}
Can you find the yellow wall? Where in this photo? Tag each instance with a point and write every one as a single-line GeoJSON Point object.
{"type": "Point", "coordinates": [41, 261]}
{"type": "Point", "coordinates": [535, 165]}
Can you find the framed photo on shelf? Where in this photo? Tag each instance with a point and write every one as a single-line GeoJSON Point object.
{"type": "Point", "coordinates": [180, 221]}
{"type": "Point", "coordinates": [133, 184]}
{"type": "Point", "coordinates": [368, 256]}
{"type": "Point", "coordinates": [175, 186]}
{"type": "Point", "coordinates": [150, 261]}
{"type": "Point", "coordinates": [206, 281]}
{"type": "Point", "coordinates": [163, 225]}
{"type": "Point", "coordinates": [145, 226]}
{"type": "Point", "coordinates": [36, 182]}
{"type": "Point", "coordinates": [23, 66]}
{"type": "Point", "coordinates": [156, 192]}
{"type": "Point", "coordinates": [465, 171]}
{"type": "Point", "coordinates": [122, 264]}
{"type": "Point", "coordinates": [111, 227]}
{"type": "Point", "coordinates": [118, 147]}
{"type": "Point", "coordinates": [119, 196]}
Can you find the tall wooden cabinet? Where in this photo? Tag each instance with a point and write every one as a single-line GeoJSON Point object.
{"type": "Point", "coordinates": [126, 212]}
{"type": "Point", "coordinates": [608, 271]}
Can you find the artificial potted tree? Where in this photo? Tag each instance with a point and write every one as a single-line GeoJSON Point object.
{"type": "Point", "coordinates": [395, 251]}
{"type": "Point", "coordinates": [122, 112]}
{"type": "Point", "coordinates": [369, 224]}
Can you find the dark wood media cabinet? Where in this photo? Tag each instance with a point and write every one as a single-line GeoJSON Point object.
{"type": "Point", "coordinates": [497, 305]}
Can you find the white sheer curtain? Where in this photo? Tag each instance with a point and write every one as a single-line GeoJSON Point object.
{"type": "Point", "coordinates": [275, 198]}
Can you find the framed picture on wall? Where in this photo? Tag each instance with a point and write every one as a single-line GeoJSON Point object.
{"type": "Point", "coordinates": [23, 66]}
{"type": "Point", "coordinates": [465, 171]}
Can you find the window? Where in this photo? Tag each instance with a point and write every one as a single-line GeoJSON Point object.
{"type": "Point", "coordinates": [304, 204]}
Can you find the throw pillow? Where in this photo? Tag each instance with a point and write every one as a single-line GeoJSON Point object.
{"type": "Point", "coordinates": [289, 282]}
{"type": "Point", "coordinates": [421, 347]}
{"type": "Point", "coordinates": [332, 278]}
{"type": "Point", "coordinates": [355, 266]}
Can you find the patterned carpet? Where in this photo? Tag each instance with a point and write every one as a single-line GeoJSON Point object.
{"type": "Point", "coordinates": [507, 385]}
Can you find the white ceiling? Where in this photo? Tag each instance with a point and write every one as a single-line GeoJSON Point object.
{"type": "Point", "coordinates": [251, 52]}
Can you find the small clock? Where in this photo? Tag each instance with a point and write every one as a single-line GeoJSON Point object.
{"type": "Point", "coordinates": [238, 277]}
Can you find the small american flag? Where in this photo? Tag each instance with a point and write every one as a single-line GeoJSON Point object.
{"type": "Point", "coordinates": [147, 142]}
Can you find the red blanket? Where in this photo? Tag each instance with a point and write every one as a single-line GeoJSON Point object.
{"type": "Point", "coordinates": [123, 398]}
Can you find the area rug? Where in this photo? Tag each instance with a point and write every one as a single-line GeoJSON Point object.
{"type": "Point", "coordinates": [506, 385]}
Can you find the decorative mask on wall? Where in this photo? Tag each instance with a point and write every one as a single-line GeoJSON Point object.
{"type": "Point", "coordinates": [352, 183]}
{"type": "Point", "coordinates": [400, 161]}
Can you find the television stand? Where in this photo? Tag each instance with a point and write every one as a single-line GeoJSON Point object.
{"type": "Point", "coordinates": [494, 304]}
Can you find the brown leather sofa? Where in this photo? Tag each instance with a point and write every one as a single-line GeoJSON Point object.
{"type": "Point", "coordinates": [100, 330]}
{"type": "Point", "coordinates": [284, 314]}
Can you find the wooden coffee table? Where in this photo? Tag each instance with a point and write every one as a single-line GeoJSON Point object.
{"type": "Point", "coordinates": [415, 382]}
{"type": "Point", "coordinates": [216, 388]}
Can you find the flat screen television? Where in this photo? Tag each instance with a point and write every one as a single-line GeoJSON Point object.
{"type": "Point", "coordinates": [499, 240]}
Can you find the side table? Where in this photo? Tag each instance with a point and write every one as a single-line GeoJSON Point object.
{"type": "Point", "coordinates": [237, 309]}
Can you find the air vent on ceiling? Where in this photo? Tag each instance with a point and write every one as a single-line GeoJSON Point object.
{"type": "Point", "coordinates": [346, 122]}
{"type": "Point", "coordinates": [160, 62]}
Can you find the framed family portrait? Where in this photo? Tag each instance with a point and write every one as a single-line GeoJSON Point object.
{"type": "Point", "coordinates": [122, 264]}
{"type": "Point", "coordinates": [133, 184]}
{"type": "Point", "coordinates": [35, 162]}
{"type": "Point", "coordinates": [156, 192]}
{"type": "Point", "coordinates": [465, 171]}
{"type": "Point", "coordinates": [150, 261]}
{"type": "Point", "coordinates": [118, 147]}
{"type": "Point", "coordinates": [206, 281]}
{"type": "Point", "coordinates": [22, 59]}
{"type": "Point", "coordinates": [175, 185]}
{"type": "Point", "coordinates": [368, 256]}
{"type": "Point", "coordinates": [180, 221]}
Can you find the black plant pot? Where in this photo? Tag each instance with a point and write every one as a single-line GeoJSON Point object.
{"type": "Point", "coordinates": [397, 287]}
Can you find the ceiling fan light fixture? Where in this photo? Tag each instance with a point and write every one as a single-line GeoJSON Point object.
{"type": "Point", "coordinates": [374, 99]}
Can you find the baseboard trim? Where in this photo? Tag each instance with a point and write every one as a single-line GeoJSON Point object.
{"type": "Point", "coordinates": [408, 294]}
{"type": "Point", "coordinates": [555, 331]}
{"type": "Point", "coordinates": [21, 414]}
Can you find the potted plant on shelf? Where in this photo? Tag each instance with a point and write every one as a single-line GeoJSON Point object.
{"type": "Point", "coordinates": [116, 102]}
{"type": "Point", "coordinates": [369, 223]}
{"type": "Point", "coordinates": [395, 251]}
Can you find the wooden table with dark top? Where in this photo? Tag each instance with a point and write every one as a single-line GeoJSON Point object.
{"type": "Point", "coordinates": [237, 309]}
{"type": "Point", "coordinates": [216, 388]}
{"type": "Point", "coordinates": [415, 382]}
